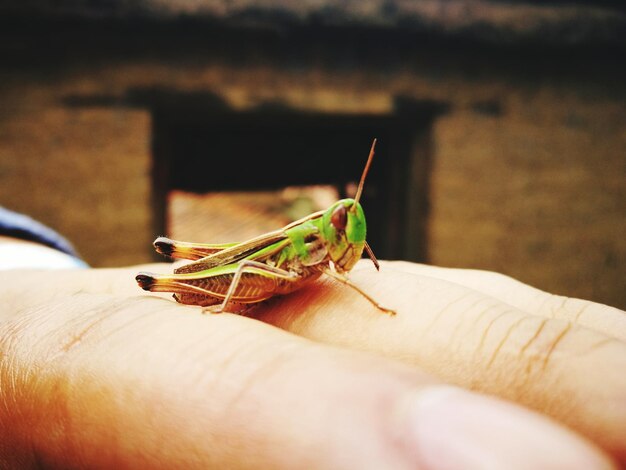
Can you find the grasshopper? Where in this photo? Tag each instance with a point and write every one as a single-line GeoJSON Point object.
{"type": "Point", "coordinates": [326, 242]}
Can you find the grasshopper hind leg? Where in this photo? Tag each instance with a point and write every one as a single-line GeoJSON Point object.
{"type": "Point", "coordinates": [185, 250]}
{"type": "Point", "coordinates": [145, 280]}
{"type": "Point", "coordinates": [183, 293]}
{"type": "Point", "coordinates": [191, 295]}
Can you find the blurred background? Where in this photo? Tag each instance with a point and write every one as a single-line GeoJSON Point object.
{"type": "Point", "coordinates": [501, 127]}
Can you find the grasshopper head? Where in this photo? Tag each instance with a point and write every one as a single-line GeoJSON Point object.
{"type": "Point", "coordinates": [343, 227]}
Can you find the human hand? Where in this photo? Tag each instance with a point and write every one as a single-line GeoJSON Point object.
{"type": "Point", "coordinates": [95, 373]}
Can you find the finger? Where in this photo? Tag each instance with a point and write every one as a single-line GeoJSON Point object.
{"type": "Point", "coordinates": [101, 381]}
{"type": "Point", "coordinates": [602, 318]}
{"type": "Point", "coordinates": [564, 370]}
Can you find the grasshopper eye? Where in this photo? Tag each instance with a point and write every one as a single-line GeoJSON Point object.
{"type": "Point", "coordinates": [339, 219]}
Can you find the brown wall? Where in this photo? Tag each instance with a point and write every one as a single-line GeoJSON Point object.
{"type": "Point", "coordinates": [84, 172]}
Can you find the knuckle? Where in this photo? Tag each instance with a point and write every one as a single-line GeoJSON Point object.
{"type": "Point", "coordinates": [508, 338]}
{"type": "Point", "coordinates": [503, 336]}
{"type": "Point", "coordinates": [543, 343]}
{"type": "Point", "coordinates": [490, 326]}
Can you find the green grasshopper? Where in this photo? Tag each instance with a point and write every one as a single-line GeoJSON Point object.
{"type": "Point", "coordinates": [326, 242]}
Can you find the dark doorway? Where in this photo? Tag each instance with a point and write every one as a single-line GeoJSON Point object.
{"type": "Point", "coordinates": [200, 145]}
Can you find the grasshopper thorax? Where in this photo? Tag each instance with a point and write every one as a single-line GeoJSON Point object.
{"type": "Point", "coordinates": [343, 228]}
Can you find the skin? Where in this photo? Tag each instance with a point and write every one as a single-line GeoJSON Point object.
{"type": "Point", "coordinates": [95, 373]}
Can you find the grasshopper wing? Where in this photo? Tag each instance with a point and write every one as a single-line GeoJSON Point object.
{"type": "Point", "coordinates": [234, 253]}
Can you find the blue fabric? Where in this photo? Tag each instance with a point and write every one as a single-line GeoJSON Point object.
{"type": "Point", "coordinates": [21, 226]}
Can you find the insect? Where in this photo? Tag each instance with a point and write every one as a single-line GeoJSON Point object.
{"type": "Point", "coordinates": [326, 242]}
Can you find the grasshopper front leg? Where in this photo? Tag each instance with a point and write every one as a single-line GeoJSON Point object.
{"type": "Point", "coordinates": [344, 280]}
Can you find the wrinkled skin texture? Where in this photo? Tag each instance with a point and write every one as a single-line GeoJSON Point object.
{"type": "Point", "coordinates": [95, 373]}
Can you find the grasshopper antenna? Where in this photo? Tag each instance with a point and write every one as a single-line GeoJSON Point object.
{"type": "Point", "coordinates": [359, 191]}
{"type": "Point", "coordinates": [364, 175]}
